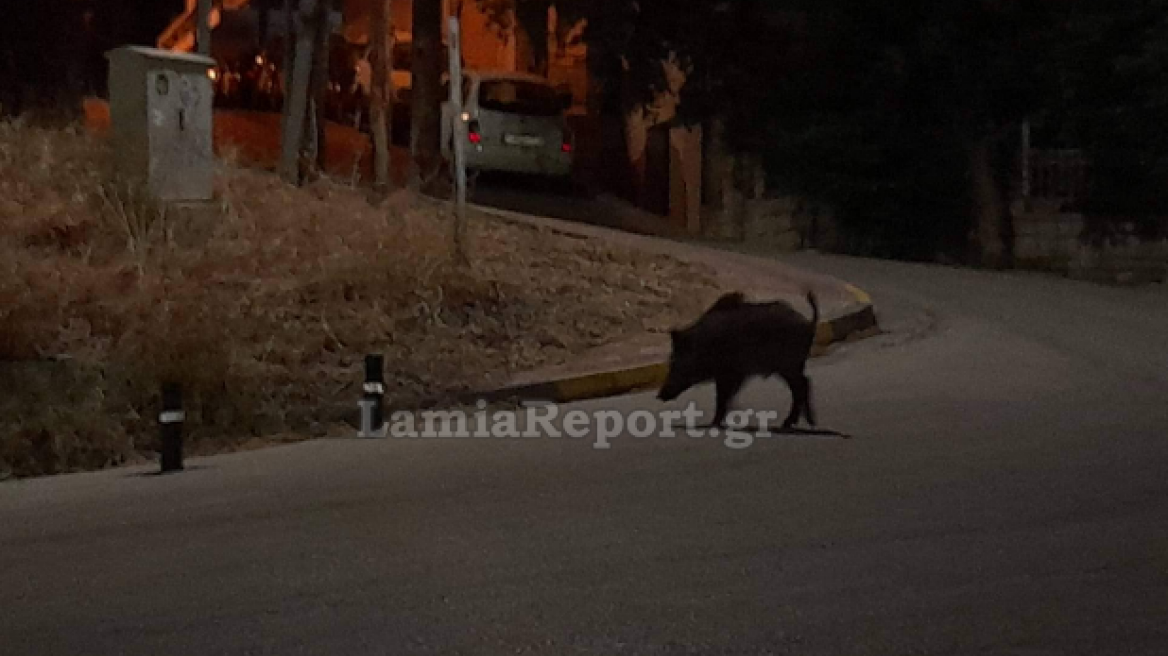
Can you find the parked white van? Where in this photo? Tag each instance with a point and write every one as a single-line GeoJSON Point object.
{"type": "Point", "coordinates": [515, 123]}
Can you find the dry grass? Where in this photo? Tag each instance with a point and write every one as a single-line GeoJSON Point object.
{"type": "Point", "coordinates": [264, 308]}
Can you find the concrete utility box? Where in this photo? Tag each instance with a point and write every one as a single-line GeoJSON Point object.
{"type": "Point", "coordinates": [160, 115]}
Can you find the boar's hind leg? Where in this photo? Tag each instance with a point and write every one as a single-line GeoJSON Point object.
{"type": "Point", "coordinates": [727, 388]}
{"type": "Point", "coordinates": [800, 398]}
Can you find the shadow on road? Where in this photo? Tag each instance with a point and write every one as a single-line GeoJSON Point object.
{"type": "Point", "coordinates": [759, 431]}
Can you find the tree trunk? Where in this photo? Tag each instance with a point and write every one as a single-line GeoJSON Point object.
{"type": "Point", "coordinates": [263, 28]}
{"type": "Point", "coordinates": [381, 99]}
{"type": "Point", "coordinates": [297, 98]}
{"type": "Point", "coordinates": [426, 110]}
{"type": "Point", "coordinates": [203, 27]}
{"type": "Point", "coordinates": [41, 64]}
{"type": "Point", "coordinates": [289, 29]}
{"type": "Point", "coordinates": [532, 16]}
{"type": "Point", "coordinates": [319, 84]}
{"type": "Point", "coordinates": [990, 205]}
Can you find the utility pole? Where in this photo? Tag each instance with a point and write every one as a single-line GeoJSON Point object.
{"type": "Point", "coordinates": [203, 27]}
{"type": "Point", "coordinates": [459, 132]}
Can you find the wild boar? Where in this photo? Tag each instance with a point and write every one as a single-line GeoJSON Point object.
{"type": "Point", "coordinates": [735, 340]}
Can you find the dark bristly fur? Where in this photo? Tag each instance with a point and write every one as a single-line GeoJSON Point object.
{"type": "Point", "coordinates": [735, 340]}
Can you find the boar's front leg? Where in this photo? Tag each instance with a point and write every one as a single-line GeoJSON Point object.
{"type": "Point", "coordinates": [808, 411]}
{"type": "Point", "coordinates": [727, 387]}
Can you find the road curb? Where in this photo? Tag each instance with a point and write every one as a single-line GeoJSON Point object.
{"type": "Point", "coordinates": [614, 382]}
{"type": "Point", "coordinates": [850, 324]}
{"type": "Point", "coordinates": [593, 385]}
{"type": "Point", "coordinates": [858, 322]}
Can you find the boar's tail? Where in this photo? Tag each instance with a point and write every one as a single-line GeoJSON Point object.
{"type": "Point", "coordinates": [814, 302]}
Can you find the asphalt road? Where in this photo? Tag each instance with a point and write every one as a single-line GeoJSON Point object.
{"type": "Point", "coordinates": [1003, 492]}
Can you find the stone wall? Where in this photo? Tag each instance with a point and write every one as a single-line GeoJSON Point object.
{"type": "Point", "coordinates": [737, 206]}
{"type": "Point", "coordinates": [1045, 238]}
{"type": "Point", "coordinates": [781, 224]}
{"type": "Point", "coordinates": [789, 223]}
{"type": "Point", "coordinates": [1128, 261]}
{"type": "Point", "coordinates": [1050, 240]}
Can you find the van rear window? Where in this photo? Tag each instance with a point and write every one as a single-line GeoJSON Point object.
{"type": "Point", "coordinates": [519, 97]}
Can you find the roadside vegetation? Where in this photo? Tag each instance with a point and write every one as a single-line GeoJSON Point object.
{"type": "Point", "coordinates": [263, 306]}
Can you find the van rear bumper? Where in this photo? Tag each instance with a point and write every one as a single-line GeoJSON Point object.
{"type": "Point", "coordinates": [555, 165]}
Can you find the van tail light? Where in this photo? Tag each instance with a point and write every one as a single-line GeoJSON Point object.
{"type": "Point", "coordinates": [472, 133]}
{"type": "Point", "coordinates": [566, 143]}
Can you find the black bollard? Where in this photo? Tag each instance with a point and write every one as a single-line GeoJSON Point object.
{"type": "Point", "coordinates": [170, 422]}
{"type": "Point", "coordinates": [373, 399]}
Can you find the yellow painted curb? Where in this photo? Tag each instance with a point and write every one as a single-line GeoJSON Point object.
{"type": "Point", "coordinates": [824, 334]}
{"type": "Point", "coordinates": [607, 383]}
{"type": "Point", "coordinates": [860, 295]}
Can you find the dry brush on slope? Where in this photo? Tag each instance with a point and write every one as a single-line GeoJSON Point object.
{"type": "Point", "coordinates": [264, 307]}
